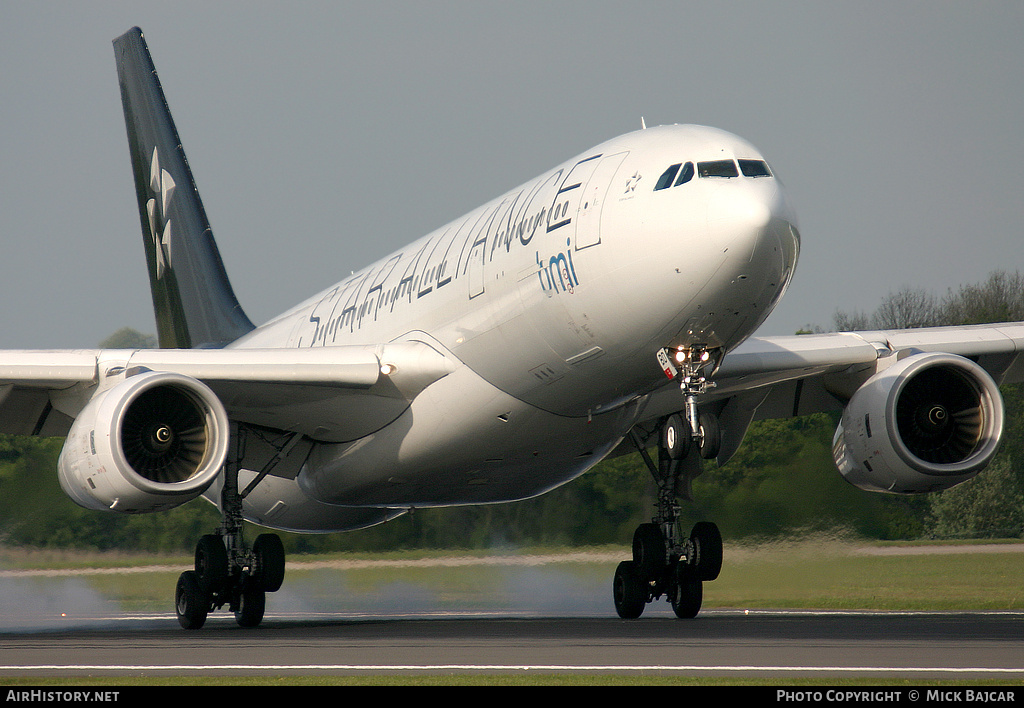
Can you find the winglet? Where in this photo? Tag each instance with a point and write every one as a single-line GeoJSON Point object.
{"type": "Point", "coordinates": [192, 297]}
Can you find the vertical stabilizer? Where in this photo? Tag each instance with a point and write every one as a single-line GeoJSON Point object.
{"type": "Point", "coordinates": [193, 300]}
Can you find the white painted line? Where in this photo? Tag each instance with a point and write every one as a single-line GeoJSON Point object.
{"type": "Point", "coordinates": [959, 670]}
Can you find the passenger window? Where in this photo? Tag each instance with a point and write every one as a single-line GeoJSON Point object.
{"type": "Point", "coordinates": [717, 168]}
{"type": "Point", "coordinates": [685, 174]}
{"type": "Point", "coordinates": [665, 181]}
{"type": "Point", "coordinates": [754, 168]}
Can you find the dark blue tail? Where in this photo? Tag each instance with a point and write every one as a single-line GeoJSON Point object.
{"type": "Point", "coordinates": [192, 298]}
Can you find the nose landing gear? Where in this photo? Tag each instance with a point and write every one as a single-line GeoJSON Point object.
{"type": "Point", "coordinates": [664, 562]}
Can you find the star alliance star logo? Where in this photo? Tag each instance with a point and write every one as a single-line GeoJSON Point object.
{"type": "Point", "coordinates": [161, 184]}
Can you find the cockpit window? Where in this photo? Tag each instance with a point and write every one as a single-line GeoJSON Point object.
{"type": "Point", "coordinates": [717, 168]}
{"type": "Point", "coordinates": [667, 177]}
{"type": "Point", "coordinates": [754, 168]}
{"type": "Point", "coordinates": [681, 173]}
{"type": "Point", "coordinates": [665, 181]}
{"type": "Point", "coordinates": [685, 174]}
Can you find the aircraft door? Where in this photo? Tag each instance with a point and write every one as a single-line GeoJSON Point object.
{"type": "Point", "coordinates": [592, 199]}
{"type": "Point", "coordinates": [475, 268]}
{"type": "Point", "coordinates": [568, 199]}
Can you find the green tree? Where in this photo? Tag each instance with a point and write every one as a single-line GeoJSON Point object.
{"type": "Point", "coordinates": [988, 506]}
{"type": "Point", "coordinates": [128, 338]}
{"type": "Point", "coordinates": [783, 479]}
{"type": "Point", "coordinates": [1000, 298]}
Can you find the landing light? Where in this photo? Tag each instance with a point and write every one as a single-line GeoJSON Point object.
{"type": "Point", "coordinates": [698, 355]}
{"type": "Point", "coordinates": [387, 369]}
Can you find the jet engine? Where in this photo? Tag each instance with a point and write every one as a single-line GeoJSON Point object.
{"type": "Point", "coordinates": [152, 442]}
{"type": "Point", "coordinates": [926, 423]}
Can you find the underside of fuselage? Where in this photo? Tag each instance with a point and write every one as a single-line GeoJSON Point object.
{"type": "Point", "coordinates": [487, 447]}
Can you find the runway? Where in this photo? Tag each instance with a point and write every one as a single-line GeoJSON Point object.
{"type": "Point", "coordinates": [913, 646]}
{"type": "Point", "coordinates": [474, 616]}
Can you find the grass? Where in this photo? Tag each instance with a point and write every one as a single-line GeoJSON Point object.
{"type": "Point", "coordinates": [817, 574]}
{"type": "Point", "coordinates": [811, 573]}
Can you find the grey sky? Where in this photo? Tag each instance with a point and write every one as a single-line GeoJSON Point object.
{"type": "Point", "coordinates": [325, 135]}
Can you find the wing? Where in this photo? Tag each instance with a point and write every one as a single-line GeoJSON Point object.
{"type": "Point", "coordinates": [783, 377]}
{"type": "Point", "coordinates": [329, 393]}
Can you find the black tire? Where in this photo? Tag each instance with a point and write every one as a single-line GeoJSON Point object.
{"type": "Point", "coordinates": [676, 437]}
{"type": "Point", "coordinates": [649, 551]}
{"type": "Point", "coordinates": [191, 604]}
{"type": "Point", "coordinates": [251, 606]}
{"type": "Point", "coordinates": [629, 591]}
{"type": "Point", "coordinates": [687, 594]}
{"type": "Point", "coordinates": [212, 564]}
{"type": "Point", "coordinates": [707, 541]}
{"type": "Point", "coordinates": [269, 553]}
{"type": "Point", "coordinates": [711, 437]}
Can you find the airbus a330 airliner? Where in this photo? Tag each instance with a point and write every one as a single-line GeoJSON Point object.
{"type": "Point", "coordinates": [606, 306]}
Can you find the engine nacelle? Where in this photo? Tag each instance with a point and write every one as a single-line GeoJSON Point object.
{"type": "Point", "coordinates": [152, 442]}
{"type": "Point", "coordinates": [924, 424]}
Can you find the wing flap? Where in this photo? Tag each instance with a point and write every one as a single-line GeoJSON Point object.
{"type": "Point", "coordinates": [47, 369]}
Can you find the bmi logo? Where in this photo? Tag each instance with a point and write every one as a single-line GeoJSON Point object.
{"type": "Point", "coordinates": [161, 184]}
{"type": "Point", "coordinates": [558, 274]}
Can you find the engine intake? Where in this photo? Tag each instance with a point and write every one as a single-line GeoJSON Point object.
{"type": "Point", "coordinates": [924, 424]}
{"type": "Point", "coordinates": [152, 442]}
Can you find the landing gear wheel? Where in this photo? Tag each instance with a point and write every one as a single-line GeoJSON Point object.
{"type": "Point", "coordinates": [191, 604]}
{"type": "Point", "coordinates": [687, 593]}
{"type": "Point", "coordinates": [649, 551]}
{"type": "Point", "coordinates": [710, 437]}
{"type": "Point", "coordinates": [211, 564]}
{"type": "Point", "coordinates": [269, 558]}
{"type": "Point", "coordinates": [251, 606]}
{"type": "Point", "coordinates": [629, 591]}
{"type": "Point", "coordinates": [676, 437]}
{"type": "Point", "coordinates": [707, 543]}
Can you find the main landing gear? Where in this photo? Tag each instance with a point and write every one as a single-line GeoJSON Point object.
{"type": "Point", "coordinates": [664, 562]}
{"type": "Point", "coordinates": [227, 570]}
{"type": "Point", "coordinates": [239, 577]}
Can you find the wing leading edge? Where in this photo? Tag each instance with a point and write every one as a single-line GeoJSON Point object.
{"type": "Point", "coordinates": [335, 393]}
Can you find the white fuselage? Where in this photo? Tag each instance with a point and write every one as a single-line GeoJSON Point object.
{"type": "Point", "coordinates": [553, 301]}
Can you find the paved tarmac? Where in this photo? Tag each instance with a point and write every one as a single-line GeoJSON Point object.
{"type": "Point", "coordinates": [915, 646]}
{"type": "Point", "coordinates": [540, 618]}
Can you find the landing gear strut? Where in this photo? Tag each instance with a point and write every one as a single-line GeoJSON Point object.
{"type": "Point", "coordinates": [664, 562]}
{"type": "Point", "coordinates": [227, 570]}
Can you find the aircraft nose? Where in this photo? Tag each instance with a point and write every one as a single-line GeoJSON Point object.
{"type": "Point", "coordinates": [743, 219]}
{"type": "Point", "coordinates": [756, 228]}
